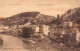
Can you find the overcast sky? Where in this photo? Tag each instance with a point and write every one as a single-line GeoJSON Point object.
{"type": "Point", "coordinates": [48, 7]}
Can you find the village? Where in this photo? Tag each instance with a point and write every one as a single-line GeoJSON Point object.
{"type": "Point", "coordinates": [59, 33]}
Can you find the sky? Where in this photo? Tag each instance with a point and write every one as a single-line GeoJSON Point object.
{"type": "Point", "coordinates": [48, 7]}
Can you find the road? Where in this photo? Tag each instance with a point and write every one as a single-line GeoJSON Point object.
{"type": "Point", "coordinates": [12, 43]}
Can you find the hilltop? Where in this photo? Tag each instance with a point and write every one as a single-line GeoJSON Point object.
{"type": "Point", "coordinates": [22, 18]}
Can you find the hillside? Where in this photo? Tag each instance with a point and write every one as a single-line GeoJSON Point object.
{"type": "Point", "coordinates": [22, 18]}
{"type": "Point", "coordinates": [72, 15]}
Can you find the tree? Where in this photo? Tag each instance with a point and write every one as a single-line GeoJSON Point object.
{"type": "Point", "coordinates": [58, 16]}
{"type": "Point", "coordinates": [27, 32]}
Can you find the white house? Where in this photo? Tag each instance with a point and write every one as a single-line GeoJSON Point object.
{"type": "Point", "coordinates": [37, 29]}
{"type": "Point", "coordinates": [46, 29]}
{"type": "Point", "coordinates": [78, 36]}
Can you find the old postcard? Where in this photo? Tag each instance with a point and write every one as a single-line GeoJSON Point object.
{"type": "Point", "coordinates": [39, 25]}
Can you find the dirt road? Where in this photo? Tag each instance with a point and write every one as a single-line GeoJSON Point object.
{"type": "Point", "coordinates": [12, 43]}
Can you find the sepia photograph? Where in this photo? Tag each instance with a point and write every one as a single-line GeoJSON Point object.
{"type": "Point", "coordinates": [39, 25]}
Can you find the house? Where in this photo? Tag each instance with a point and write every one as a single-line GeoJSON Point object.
{"type": "Point", "coordinates": [46, 29]}
{"type": "Point", "coordinates": [37, 29]}
{"type": "Point", "coordinates": [42, 31]}
{"type": "Point", "coordinates": [77, 24]}
{"type": "Point", "coordinates": [68, 23]}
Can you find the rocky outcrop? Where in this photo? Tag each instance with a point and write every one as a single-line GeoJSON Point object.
{"type": "Point", "coordinates": [72, 15]}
